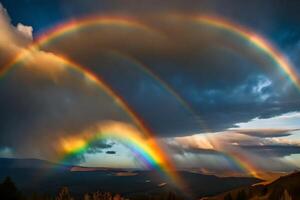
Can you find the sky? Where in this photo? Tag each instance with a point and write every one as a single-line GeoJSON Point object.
{"type": "Point", "coordinates": [202, 76]}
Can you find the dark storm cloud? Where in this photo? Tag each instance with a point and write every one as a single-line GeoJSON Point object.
{"type": "Point", "coordinates": [95, 147]}
{"type": "Point", "coordinates": [98, 147]}
{"type": "Point", "coordinates": [267, 133]}
{"type": "Point", "coordinates": [274, 15]}
{"type": "Point", "coordinates": [229, 7]}
{"type": "Point", "coordinates": [110, 152]}
{"type": "Point", "coordinates": [274, 150]}
{"type": "Point", "coordinates": [222, 78]}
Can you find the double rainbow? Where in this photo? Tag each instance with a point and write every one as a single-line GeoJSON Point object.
{"type": "Point", "coordinates": [148, 148]}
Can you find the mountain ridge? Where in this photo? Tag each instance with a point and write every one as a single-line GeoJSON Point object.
{"type": "Point", "coordinates": [284, 188]}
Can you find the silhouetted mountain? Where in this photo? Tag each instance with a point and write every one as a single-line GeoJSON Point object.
{"type": "Point", "coordinates": [29, 163]}
{"type": "Point", "coordinates": [31, 176]}
{"type": "Point", "coordinates": [284, 188]}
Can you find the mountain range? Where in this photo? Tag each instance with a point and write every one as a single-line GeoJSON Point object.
{"type": "Point", "coordinates": [39, 176]}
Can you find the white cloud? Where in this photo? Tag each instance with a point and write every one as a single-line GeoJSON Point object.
{"type": "Point", "coordinates": [285, 121]}
{"type": "Point", "coordinates": [25, 30]}
{"type": "Point", "coordinates": [19, 36]}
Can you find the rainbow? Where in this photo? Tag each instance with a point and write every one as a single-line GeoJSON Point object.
{"type": "Point", "coordinates": [255, 39]}
{"type": "Point", "coordinates": [144, 148]}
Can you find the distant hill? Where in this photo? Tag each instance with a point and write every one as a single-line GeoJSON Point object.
{"type": "Point", "coordinates": [32, 175]}
{"type": "Point", "coordinates": [284, 188]}
{"type": "Point", "coordinates": [29, 163]}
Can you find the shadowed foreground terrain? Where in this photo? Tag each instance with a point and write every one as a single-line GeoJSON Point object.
{"type": "Point", "coordinates": [34, 177]}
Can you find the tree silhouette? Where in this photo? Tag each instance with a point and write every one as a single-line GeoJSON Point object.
{"type": "Point", "coordinates": [8, 190]}
{"type": "Point", "coordinates": [64, 194]}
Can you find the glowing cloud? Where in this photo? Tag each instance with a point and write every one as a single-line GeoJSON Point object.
{"type": "Point", "coordinates": [232, 145]}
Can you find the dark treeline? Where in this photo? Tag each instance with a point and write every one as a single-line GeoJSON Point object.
{"type": "Point", "coordinates": [9, 191]}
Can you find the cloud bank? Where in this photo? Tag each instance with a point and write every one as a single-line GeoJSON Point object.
{"type": "Point", "coordinates": [230, 148]}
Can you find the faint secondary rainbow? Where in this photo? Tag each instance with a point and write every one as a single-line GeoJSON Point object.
{"type": "Point", "coordinates": [254, 38]}
{"type": "Point", "coordinates": [145, 149]}
{"type": "Point", "coordinates": [237, 157]}
{"type": "Point", "coordinates": [243, 163]}
{"type": "Point", "coordinates": [212, 142]}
